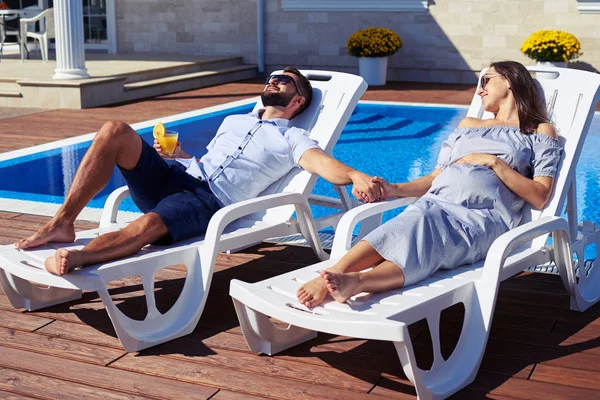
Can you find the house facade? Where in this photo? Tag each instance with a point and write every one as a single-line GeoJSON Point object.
{"type": "Point", "coordinates": [444, 40]}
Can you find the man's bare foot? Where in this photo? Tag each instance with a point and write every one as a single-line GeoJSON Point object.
{"type": "Point", "coordinates": [53, 231]}
{"type": "Point", "coordinates": [341, 286]}
{"type": "Point", "coordinates": [63, 261]}
{"type": "Point", "coordinates": [312, 293]}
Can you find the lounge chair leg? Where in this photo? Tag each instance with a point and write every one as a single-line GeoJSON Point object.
{"type": "Point", "coordinates": [157, 328]}
{"type": "Point", "coordinates": [265, 337]}
{"type": "Point", "coordinates": [584, 293]}
{"type": "Point", "coordinates": [448, 376]}
{"type": "Point", "coordinates": [23, 294]}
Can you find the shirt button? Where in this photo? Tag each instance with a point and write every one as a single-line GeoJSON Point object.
{"type": "Point", "coordinates": [239, 148]}
{"type": "Point", "coordinates": [220, 166]}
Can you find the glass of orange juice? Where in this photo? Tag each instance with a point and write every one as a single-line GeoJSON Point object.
{"type": "Point", "coordinates": [168, 142]}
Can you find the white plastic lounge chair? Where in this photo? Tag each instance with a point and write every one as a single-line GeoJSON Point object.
{"type": "Point", "coordinates": [335, 96]}
{"type": "Point", "coordinates": [573, 97]}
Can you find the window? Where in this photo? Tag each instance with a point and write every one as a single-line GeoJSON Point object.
{"type": "Point", "coordinates": [588, 6]}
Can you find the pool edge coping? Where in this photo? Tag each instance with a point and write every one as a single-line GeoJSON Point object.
{"type": "Point", "coordinates": [138, 125]}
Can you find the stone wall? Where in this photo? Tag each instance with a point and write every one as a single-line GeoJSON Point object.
{"type": "Point", "coordinates": [447, 43]}
{"type": "Point", "coordinates": [203, 27]}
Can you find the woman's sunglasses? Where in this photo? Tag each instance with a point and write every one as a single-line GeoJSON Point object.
{"type": "Point", "coordinates": [284, 80]}
{"type": "Point", "coordinates": [485, 79]}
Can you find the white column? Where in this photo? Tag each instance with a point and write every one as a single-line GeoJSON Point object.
{"type": "Point", "coordinates": [70, 51]}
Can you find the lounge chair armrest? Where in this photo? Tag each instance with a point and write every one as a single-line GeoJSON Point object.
{"type": "Point", "coordinates": [343, 237]}
{"type": "Point", "coordinates": [325, 201]}
{"type": "Point", "coordinates": [244, 208]}
{"type": "Point", "coordinates": [504, 245]}
{"type": "Point", "coordinates": [111, 207]}
{"type": "Point", "coordinates": [35, 18]}
{"type": "Point", "coordinates": [233, 212]}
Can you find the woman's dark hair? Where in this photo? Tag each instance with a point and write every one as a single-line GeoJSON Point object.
{"type": "Point", "coordinates": [305, 87]}
{"type": "Point", "coordinates": [530, 109]}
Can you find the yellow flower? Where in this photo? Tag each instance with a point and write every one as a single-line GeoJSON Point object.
{"type": "Point", "coordinates": [551, 45]}
{"type": "Point", "coordinates": [373, 42]}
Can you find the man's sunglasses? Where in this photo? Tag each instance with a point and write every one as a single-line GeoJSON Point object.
{"type": "Point", "coordinates": [284, 80]}
{"type": "Point", "coordinates": [485, 79]}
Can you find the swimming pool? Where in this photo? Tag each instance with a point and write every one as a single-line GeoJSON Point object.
{"type": "Point", "coordinates": [397, 142]}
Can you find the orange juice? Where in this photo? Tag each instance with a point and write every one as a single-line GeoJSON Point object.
{"type": "Point", "coordinates": [168, 142]}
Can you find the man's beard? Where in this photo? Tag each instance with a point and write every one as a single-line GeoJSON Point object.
{"type": "Point", "coordinates": [276, 99]}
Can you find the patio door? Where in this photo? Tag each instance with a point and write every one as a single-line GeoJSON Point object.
{"type": "Point", "coordinates": [99, 30]}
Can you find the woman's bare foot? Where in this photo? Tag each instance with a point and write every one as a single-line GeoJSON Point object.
{"type": "Point", "coordinates": [341, 286]}
{"type": "Point", "coordinates": [53, 231]}
{"type": "Point", "coordinates": [63, 261]}
{"type": "Point", "coordinates": [312, 293]}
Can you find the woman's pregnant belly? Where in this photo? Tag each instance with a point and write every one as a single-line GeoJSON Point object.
{"type": "Point", "coordinates": [472, 186]}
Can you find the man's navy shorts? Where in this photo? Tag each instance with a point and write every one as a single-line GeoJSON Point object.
{"type": "Point", "coordinates": [184, 203]}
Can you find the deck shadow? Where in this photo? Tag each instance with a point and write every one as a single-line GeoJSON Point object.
{"type": "Point", "coordinates": [513, 350]}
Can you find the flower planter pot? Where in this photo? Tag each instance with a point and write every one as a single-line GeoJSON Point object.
{"type": "Point", "coordinates": [551, 64]}
{"type": "Point", "coordinates": [373, 70]}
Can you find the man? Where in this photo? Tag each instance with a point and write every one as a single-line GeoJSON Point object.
{"type": "Point", "coordinates": [248, 153]}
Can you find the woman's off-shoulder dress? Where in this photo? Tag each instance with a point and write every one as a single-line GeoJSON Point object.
{"type": "Point", "coordinates": [467, 206]}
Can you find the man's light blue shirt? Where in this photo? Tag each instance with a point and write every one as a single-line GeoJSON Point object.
{"type": "Point", "coordinates": [248, 154]}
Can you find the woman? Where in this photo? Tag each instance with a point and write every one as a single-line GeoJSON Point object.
{"type": "Point", "coordinates": [486, 171]}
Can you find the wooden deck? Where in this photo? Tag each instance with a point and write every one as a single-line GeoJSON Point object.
{"type": "Point", "coordinates": [538, 348]}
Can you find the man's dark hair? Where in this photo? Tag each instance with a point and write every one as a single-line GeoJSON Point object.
{"type": "Point", "coordinates": [305, 87]}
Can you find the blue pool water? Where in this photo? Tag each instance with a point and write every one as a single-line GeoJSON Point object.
{"type": "Point", "coordinates": [50, 173]}
{"type": "Point", "coordinates": [399, 143]}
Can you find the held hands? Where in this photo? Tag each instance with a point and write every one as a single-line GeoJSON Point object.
{"type": "Point", "coordinates": [365, 189]}
{"type": "Point", "coordinates": [486, 160]}
{"type": "Point", "coordinates": [176, 152]}
{"type": "Point", "coordinates": [387, 189]}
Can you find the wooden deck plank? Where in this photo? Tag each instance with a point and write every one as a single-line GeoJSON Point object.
{"type": "Point", "coordinates": [231, 379]}
{"type": "Point", "coordinates": [65, 312]}
{"type": "Point", "coordinates": [586, 329]}
{"type": "Point", "coordinates": [21, 382]}
{"type": "Point", "coordinates": [468, 394]}
{"type": "Point", "coordinates": [53, 346]}
{"type": "Point", "coordinates": [18, 225]}
{"type": "Point", "coordinates": [229, 395]}
{"type": "Point", "coordinates": [394, 388]}
{"type": "Point", "coordinates": [536, 285]}
{"type": "Point", "coordinates": [517, 307]}
{"type": "Point", "coordinates": [15, 234]}
{"type": "Point", "coordinates": [550, 300]}
{"type": "Point", "coordinates": [98, 379]}
{"type": "Point", "coordinates": [578, 361]}
{"type": "Point", "coordinates": [567, 376]}
{"type": "Point", "coordinates": [528, 389]}
{"type": "Point", "coordinates": [81, 333]}
{"type": "Point", "coordinates": [309, 353]}
{"type": "Point", "coordinates": [8, 215]}
{"type": "Point", "coordinates": [584, 341]}
{"type": "Point", "coordinates": [11, 396]}
{"type": "Point", "coordinates": [40, 219]}
{"type": "Point", "coordinates": [16, 320]}
{"type": "Point", "coordinates": [275, 367]}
